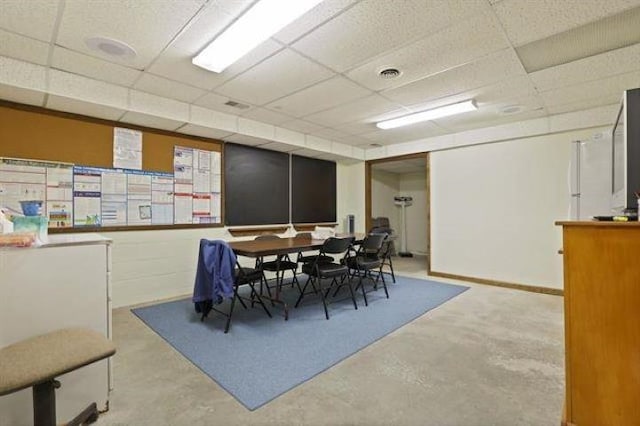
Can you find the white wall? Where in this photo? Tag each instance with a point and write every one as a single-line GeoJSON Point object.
{"type": "Point", "coordinates": [385, 186]}
{"type": "Point", "coordinates": [415, 185]}
{"type": "Point", "coordinates": [493, 209]}
{"type": "Point", "coordinates": [155, 265]}
{"type": "Point", "coordinates": [351, 195]}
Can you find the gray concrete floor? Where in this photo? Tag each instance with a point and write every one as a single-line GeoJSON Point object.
{"type": "Point", "coordinates": [488, 357]}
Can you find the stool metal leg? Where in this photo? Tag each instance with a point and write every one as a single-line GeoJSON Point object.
{"type": "Point", "coordinates": [44, 403]}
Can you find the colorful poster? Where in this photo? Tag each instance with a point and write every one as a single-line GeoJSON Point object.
{"type": "Point", "coordinates": [87, 196]}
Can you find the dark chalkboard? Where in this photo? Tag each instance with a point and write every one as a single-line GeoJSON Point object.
{"type": "Point", "coordinates": [313, 187]}
{"type": "Point", "coordinates": [256, 186]}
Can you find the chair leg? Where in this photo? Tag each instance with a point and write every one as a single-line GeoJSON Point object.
{"type": "Point", "coordinates": [384, 284]}
{"type": "Point", "coordinates": [393, 276]}
{"type": "Point", "coordinates": [353, 297]}
{"type": "Point", "coordinates": [364, 293]}
{"type": "Point", "coordinates": [44, 403]}
{"type": "Point", "coordinates": [309, 278]}
{"type": "Point", "coordinates": [253, 291]}
{"type": "Point", "coordinates": [324, 299]}
{"type": "Point", "coordinates": [233, 303]}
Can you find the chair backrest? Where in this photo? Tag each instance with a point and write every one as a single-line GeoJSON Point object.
{"type": "Point", "coordinates": [267, 237]}
{"type": "Point", "coordinates": [372, 244]}
{"type": "Point", "coordinates": [335, 245]}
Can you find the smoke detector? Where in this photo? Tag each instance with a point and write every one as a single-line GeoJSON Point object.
{"type": "Point", "coordinates": [389, 73]}
{"type": "Point", "coordinates": [111, 47]}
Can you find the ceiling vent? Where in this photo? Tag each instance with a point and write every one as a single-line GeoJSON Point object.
{"type": "Point", "coordinates": [238, 105]}
{"type": "Point", "coordinates": [389, 73]}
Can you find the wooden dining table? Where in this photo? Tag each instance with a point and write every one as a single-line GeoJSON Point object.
{"type": "Point", "coordinates": [282, 246]}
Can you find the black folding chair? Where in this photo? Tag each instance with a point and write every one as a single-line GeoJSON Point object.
{"type": "Point", "coordinates": [385, 257]}
{"type": "Point", "coordinates": [319, 270]}
{"type": "Point", "coordinates": [302, 258]}
{"type": "Point", "coordinates": [280, 265]}
{"type": "Point", "coordinates": [367, 260]}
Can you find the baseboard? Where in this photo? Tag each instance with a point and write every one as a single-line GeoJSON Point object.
{"type": "Point", "coordinates": [504, 284]}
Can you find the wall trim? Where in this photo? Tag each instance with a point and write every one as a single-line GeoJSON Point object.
{"type": "Point", "coordinates": [496, 283]}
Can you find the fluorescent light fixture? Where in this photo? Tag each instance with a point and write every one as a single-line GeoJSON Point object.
{"type": "Point", "coordinates": [431, 114]}
{"type": "Point", "coordinates": [264, 19]}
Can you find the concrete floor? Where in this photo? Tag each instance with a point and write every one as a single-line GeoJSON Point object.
{"type": "Point", "coordinates": [488, 357]}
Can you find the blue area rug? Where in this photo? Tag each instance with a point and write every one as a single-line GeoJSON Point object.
{"type": "Point", "coordinates": [261, 357]}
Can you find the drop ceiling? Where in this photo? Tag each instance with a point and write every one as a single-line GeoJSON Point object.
{"type": "Point", "coordinates": [316, 81]}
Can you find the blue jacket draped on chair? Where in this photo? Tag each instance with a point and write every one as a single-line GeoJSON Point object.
{"type": "Point", "coordinates": [215, 274]}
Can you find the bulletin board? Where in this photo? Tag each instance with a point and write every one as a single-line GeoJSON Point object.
{"type": "Point", "coordinates": [87, 144]}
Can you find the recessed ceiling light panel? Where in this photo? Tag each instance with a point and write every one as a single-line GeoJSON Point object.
{"type": "Point", "coordinates": [261, 21]}
{"type": "Point", "coordinates": [110, 47]}
{"type": "Point", "coordinates": [431, 114]}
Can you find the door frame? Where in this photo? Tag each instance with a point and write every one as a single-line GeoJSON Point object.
{"type": "Point", "coordinates": [367, 189]}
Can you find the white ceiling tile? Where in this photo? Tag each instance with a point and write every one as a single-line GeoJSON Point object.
{"type": "Point", "coordinates": [146, 26]}
{"type": "Point", "coordinates": [308, 153]}
{"type": "Point", "coordinates": [361, 109]}
{"type": "Point", "coordinates": [592, 68]}
{"type": "Point", "coordinates": [167, 88]}
{"type": "Point", "coordinates": [405, 134]}
{"type": "Point", "coordinates": [585, 104]}
{"type": "Point", "coordinates": [316, 16]}
{"type": "Point", "coordinates": [158, 106]}
{"type": "Point", "coordinates": [501, 93]}
{"type": "Point", "coordinates": [255, 128]}
{"type": "Point", "coordinates": [217, 103]}
{"type": "Point", "coordinates": [23, 48]}
{"type": "Point", "coordinates": [266, 116]}
{"type": "Point", "coordinates": [213, 119]}
{"type": "Point", "coordinates": [289, 137]}
{"type": "Point", "coordinates": [403, 23]}
{"type": "Point", "coordinates": [246, 140]}
{"type": "Point", "coordinates": [490, 119]}
{"type": "Point", "coordinates": [526, 20]}
{"type": "Point", "coordinates": [461, 43]}
{"type": "Point", "coordinates": [78, 63]}
{"type": "Point", "coordinates": [86, 89]}
{"type": "Point", "coordinates": [90, 109]}
{"type": "Point", "coordinates": [327, 94]}
{"type": "Point", "coordinates": [150, 121]}
{"type": "Point", "coordinates": [22, 96]}
{"type": "Point", "coordinates": [301, 126]}
{"type": "Point", "coordinates": [22, 74]}
{"type": "Point", "coordinates": [341, 149]}
{"type": "Point", "coordinates": [204, 132]}
{"type": "Point", "coordinates": [490, 69]}
{"type": "Point", "coordinates": [331, 134]}
{"type": "Point", "coordinates": [601, 116]}
{"type": "Point", "coordinates": [31, 18]}
{"type": "Point", "coordinates": [282, 147]}
{"type": "Point", "coordinates": [319, 144]}
{"type": "Point", "coordinates": [359, 128]}
{"type": "Point", "coordinates": [603, 89]}
{"type": "Point", "coordinates": [278, 76]}
{"type": "Point", "coordinates": [354, 140]}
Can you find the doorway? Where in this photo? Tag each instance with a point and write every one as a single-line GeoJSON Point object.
{"type": "Point", "coordinates": [407, 176]}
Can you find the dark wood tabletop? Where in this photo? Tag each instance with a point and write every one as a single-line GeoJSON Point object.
{"type": "Point", "coordinates": [258, 248]}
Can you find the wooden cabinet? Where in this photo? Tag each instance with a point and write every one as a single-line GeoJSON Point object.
{"type": "Point", "coordinates": [602, 323]}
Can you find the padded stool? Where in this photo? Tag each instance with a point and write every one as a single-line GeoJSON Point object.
{"type": "Point", "coordinates": [37, 361]}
